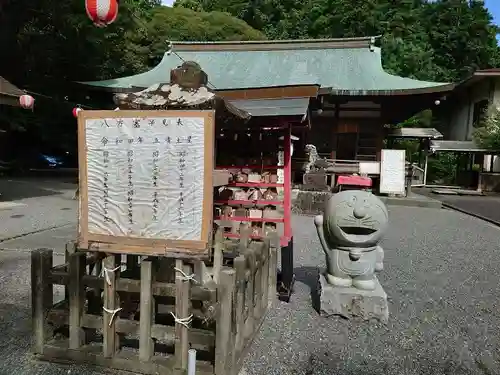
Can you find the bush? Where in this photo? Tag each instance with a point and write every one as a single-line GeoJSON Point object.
{"type": "Point", "coordinates": [487, 135]}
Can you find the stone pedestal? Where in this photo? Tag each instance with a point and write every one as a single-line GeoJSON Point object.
{"type": "Point", "coordinates": [350, 302]}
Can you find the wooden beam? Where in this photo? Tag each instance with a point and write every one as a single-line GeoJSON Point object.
{"type": "Point", "coordinates": [146, 344]}
{"type": "Point", "coordinates": [160, 289]}
{"type": "Point", "coordinates": [41, 296]}
{"type": "Point", "coordinates": [270, 93]}
{"type": "Point", "coordinates": [76, 299]}
{"type": "Point", "coordinates": [199, 338]}
{"type": "Point", "coordinates": [111, 303]}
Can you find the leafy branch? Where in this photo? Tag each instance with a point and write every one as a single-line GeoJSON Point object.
{"type": "Point", "coordinates": [487, 134]}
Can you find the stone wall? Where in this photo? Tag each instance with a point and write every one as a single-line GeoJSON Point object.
{"type": "Point", "coordinates": [489, 182]}
{"type": "Point", "coordinates": [309, 202]}
{"type": "Point", "coordinates": [312, 202]}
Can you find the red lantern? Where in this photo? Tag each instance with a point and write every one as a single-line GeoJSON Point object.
{"type": "Point", "coordinates": [26, 101]}
{"type": "Point", "coordinates": [76, 111]}
{"type": "Point", "coordinates": [102, 12]}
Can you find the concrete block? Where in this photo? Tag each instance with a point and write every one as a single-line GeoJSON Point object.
{"type": "Point", "coordinates": [350, 302]}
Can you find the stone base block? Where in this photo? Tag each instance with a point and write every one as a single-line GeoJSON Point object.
{"type": "Point", "coordinates": [350, 302]}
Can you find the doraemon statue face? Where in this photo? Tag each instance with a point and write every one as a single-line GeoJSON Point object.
{"type": "Point", "coordinates": [354, 218]}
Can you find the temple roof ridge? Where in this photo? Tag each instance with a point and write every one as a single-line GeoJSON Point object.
{"type": "Point", "coordinates": [275, 44]}
{"type": "Point", "coordinates": [348, 66]}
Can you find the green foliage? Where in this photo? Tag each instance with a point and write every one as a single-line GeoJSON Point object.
{"type": "Point", "coordinates": [420, 120]}
{"type": "Point", "coordinates": [463, 36]}
{"type": "Point", "coordinates": [47, 45]}
{"type": "Point", "coordinates": [55, 40]}
{"type": "Point", "coordinates": [442, 40]}
{"type": "Point", "coordinates": [442, 168]}
{"type": "Point", "coordinates": [487, 135]}
{"type": "Point", "coordinates": [182, 24]}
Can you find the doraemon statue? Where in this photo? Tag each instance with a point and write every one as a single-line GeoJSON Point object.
{"type": "Point", "coordinates": [350, 229]}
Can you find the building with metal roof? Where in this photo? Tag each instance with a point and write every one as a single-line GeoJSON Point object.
{"type": "Point", "coordinates": [414, 133]}
{"type": "Point", "coordinates": [462, 112]}
{"type": "Point", "coordinates": [350, 66]}
{"type": "Point", "coordinates": [339, 85]}
{"type": "Point", "coordinates": [457, 146]}
{"type": "Point", "coordinates": [9, 94]}
{"type": "Point", "coordinates": [464, 106]}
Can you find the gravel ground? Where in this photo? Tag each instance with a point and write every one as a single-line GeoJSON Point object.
{"type": "Point", "coordinates": [441, 277]}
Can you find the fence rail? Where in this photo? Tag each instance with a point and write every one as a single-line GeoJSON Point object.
{"type": "Point", "coordinates": [144, 316]}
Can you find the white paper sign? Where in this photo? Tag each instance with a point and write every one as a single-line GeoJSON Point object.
{"type": "Point", "coordinates": [145, 177]}
{"type": "Point", "coordinates": [392, 172]}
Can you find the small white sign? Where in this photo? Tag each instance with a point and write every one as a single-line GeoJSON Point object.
{"type": "Point", "coordinates": [392, 172]}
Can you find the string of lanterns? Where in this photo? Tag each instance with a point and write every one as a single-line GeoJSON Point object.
{"type": "Point", "coordinates": [26, 101]}
{"type": "Point", "coordinates": [102, 13]}
{"type": "Point", "coordinates": [75, 111]}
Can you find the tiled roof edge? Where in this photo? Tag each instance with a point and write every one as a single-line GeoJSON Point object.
{"type": "Point", "coordinates": [273, 45]}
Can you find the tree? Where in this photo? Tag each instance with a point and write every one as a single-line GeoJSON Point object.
{"type": "Point", "coordinates": [50, 44]}
{"type": "Point", "coordinates": [181, 24]}
{"type": "Point", "coordinates": [441, 40]}
{"type": "Point", "coordinates": [487, 134]}
{"type": "Point", "coordinates": [462, 37]}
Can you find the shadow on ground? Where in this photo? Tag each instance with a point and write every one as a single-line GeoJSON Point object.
{"type": "Point", "coordinates": [12, 190]}
{"type": "Point", "coordinates": [17, 189]}
{"type": "Point", "coordinates": [309, 277]}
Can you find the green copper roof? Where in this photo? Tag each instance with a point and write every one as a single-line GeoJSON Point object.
{"type": "Point", "coordinates": [340, 66]}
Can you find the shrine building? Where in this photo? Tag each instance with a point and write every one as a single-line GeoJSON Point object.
{"type": "Point", "coordinates": [338, 85]}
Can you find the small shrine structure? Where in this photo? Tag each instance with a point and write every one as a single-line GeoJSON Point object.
{"type": "Point", "coordinates": [355, 98]}
{"type": "Point", "coordinates": [147, 280]}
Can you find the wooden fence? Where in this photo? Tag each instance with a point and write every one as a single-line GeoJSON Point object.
{"type": "Point", "coordinates": [144, 316]}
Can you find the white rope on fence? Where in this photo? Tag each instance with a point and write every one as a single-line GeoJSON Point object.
{"type": "Point", "coordinates": [113, 312]}
{"type": "Point", "coordinates": [106, 272]}
{"type": "Point", "coordinates": [185, 277]}
{"type": "Point", "coordinates": [183, 321]}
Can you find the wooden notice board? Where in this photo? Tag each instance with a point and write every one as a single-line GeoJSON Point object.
{"type": "Point", "coordinates": [146, 181]}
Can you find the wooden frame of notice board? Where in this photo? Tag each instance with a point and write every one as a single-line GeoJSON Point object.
{"type": "Point", "coordinates": [136, 244]}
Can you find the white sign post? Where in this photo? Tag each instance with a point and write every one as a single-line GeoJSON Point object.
{"type": "Point", "coordinates": [392, 172]}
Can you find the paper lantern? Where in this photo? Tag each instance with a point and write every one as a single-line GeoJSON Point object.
{"type": "Point", "coordinates": [26, 101]}
{"type": "Point", "coordinates": [76, 111]}
{"type": "Point", "coordinates": [102, 12]}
